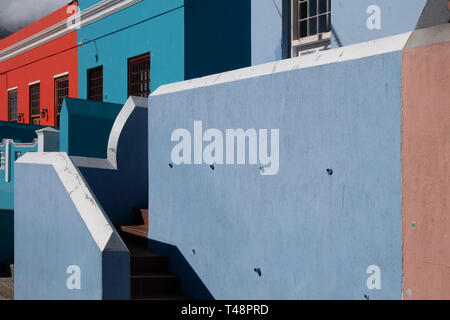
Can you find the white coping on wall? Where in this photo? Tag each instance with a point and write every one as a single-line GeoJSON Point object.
{"type": "Point", "coordinates": [353, 52]}
{"type": "Point", "coordinates": [111, 161]}
{"type": "Point", "coordinates": [90, 15]}
{"type": "Point", "coordinates": [95, 219]}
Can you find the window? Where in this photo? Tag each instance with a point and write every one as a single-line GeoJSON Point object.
{"type": "Point", "coordinates": [61, 91]}
{"type": "Point", "coordinates": [311, 26]}
{"type": "Point", "coordinates": [12, 106]}
{"type": "Point", "coordinates": [95, 84]}
{"type": "Point", "coordinates": [139, 76]}
{"type": "Point", "coordinates": [35, 103]}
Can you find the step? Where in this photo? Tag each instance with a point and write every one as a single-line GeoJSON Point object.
{"type": "Point", "coordinates": [144, 261]}
{"type": "Point", "coordinates": [136, 230]}
{"type": "Point", "coordinates": [154, 284]}
{"type": "Point", "coordinates": [7, 288]}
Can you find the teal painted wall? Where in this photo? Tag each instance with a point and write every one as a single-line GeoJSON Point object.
{"type": "Point", "coordinates": [7, 236]}
{"type": "Point", "coordinates": [148, 26]}
{"type": "Point", "coordinates": [85, 127]}
{"type": "Point", "coordinates": [186, 39]}
{"type": "Point", "coordinates": [19, 132]}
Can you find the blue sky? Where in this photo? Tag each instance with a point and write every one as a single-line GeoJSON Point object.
{"type": "Point", "coordinates": [16, 14]}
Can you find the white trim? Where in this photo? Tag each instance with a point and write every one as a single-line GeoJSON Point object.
{"type": "Point", "coordinates": [25, 144]}
{"type": "Point", "coordinates": [90, 15]}
{"type": "Point", "coordinates": [7, 155]}
{"type": "Point", "coordinates": [12, 89]}
{"type": "Point", "coordinates": [34, 82]}
{"type": "Point", "coordinates": [353, 52]}
{"type": "Point", "coordinates": [60, 75]}
{"type": "Point", "coordinates": [93, 215]}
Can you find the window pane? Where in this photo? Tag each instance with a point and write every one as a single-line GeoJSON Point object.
{"type": "Point", "coordinates": [35, 103]}
{"type": "Point", "coordinates": [95, 84]}
{"type": "Point", "coordinates": [312, 8]}
{"type": "Point", "coordinates": [303, 10]}
{"type": "Point", "coordinates": [322, 6]}
{"type": "Point", "coordinates": [139, 76]}
{"type": "Point", "coordinates": [312, 26]}
{"type": "Point", "coordinates": [303, 28]}
{"type": "Point", "coordinates": [323, 27]}
{"type": "Point", "coordinates": [12, 106]}
{"type": "Point", "coordinates": [61, 91]}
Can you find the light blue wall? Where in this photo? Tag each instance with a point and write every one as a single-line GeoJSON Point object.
{"type": "Point", "coordinates": [267, 30]}
{"type": "Point", "coordinates": [312, 235]}
{"type": "Point", "coordinates": [349, 19]}
{"type": "Point", "coordinates": [121, 36]}
{"type": "Point", "coordinates": [50, 236]}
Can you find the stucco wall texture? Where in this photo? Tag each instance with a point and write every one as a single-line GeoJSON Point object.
{"type": "Point", "coordinates": [426, 172]}
{"type": "Point", "coordinates": [312, 234]}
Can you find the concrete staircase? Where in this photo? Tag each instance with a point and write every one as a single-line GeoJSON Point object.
{"type": "Point", "coordinates": [7, 282]}
{"type": "Point", "coordinates": [150, 275]}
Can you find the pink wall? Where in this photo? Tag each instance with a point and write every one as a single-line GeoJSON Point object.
{"type": "Point", "coordinates": [426, 172]}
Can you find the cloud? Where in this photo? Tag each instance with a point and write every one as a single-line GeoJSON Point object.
{"type": "Point", "coordinates": [16, 14]}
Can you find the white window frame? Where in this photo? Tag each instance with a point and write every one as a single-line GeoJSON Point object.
{"type": "Point", "coordinates": [307, 44]}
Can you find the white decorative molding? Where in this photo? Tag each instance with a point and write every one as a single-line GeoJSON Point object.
{"type": "Point", "coordinates": [353, 52]}
{"type": "Point", "coordinates": [95, 219]}
{"type": "Point", "coordinates": [60, 75]}
{"type": "Point", "coordinates": [7, 155]}
{"type": "Point", "coordinates": [12, 89]}
{"type": "Point", "coordinates": [90, 15]}
{"type": "Point", "coordinates": [25, 144]}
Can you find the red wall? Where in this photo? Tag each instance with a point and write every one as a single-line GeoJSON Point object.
{"type": "Point", "coordinates": [42, 63]}
{"type": "Point", "coordinates": [426, 171]}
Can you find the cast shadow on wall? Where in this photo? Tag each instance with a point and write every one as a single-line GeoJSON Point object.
{"type": "Point", "coordinates": [191, 284]}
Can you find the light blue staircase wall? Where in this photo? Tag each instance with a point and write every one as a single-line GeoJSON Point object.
{"type": "Point", "coordinates": [57, 225]}
{"type": "Point", "coordinates": [312, 235]}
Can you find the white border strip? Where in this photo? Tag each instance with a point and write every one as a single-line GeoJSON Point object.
{"type": "Point", "coordinates": [90, 15]}
{"type": "Point", "coordinates": [353, 52]}
{"type": "Point", "coordinates": [12, 89]}
{"type": "Point", "coordinates": [97, 222]}
{"type": "Point", "coordinates": [60, 75]}
{"type": "Point", "coordinates": [34, 82]}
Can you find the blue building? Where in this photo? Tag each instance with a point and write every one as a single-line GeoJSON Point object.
{"type": "Point", "coordinates": [140, 45]}
{"type": "Point", "coordinates": [283, 29]}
